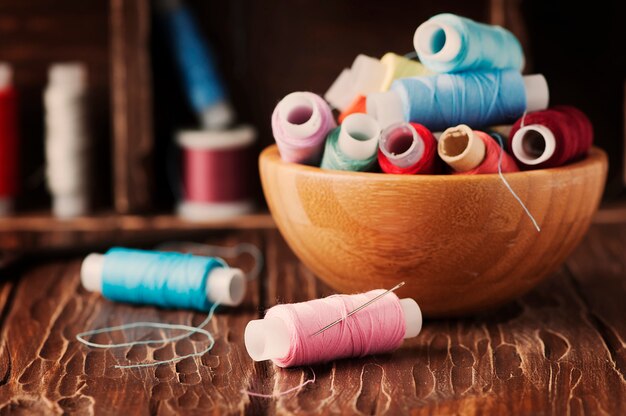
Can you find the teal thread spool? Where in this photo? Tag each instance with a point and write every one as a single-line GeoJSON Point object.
{"type": "Point", "coordinates": [165, 279]}
{"type": "Point", "coordinates": [353, 145]}
{"type": "Point", "coordinates": [450, 43]}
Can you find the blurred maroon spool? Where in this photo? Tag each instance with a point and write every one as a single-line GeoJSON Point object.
{"type": "Point", "coordinates": [8, 140]}
{"type": "Point", "coordinates": [216, 173]}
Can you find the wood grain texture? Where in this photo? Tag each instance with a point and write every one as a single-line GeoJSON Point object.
{"type": "Point", "coordinates": [557, 350]}
{"type": "Point", "coordinates": [132, 105]}
{"type": "Point", "coordinates": [44, 370]}
{"type": "Point", "coordinates": [446, 236]}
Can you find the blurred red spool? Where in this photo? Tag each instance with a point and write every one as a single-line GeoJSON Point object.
{"type": "Point", "coordinates": [8, 140]}
{"type": "Point", "coordinates": [217, 168]}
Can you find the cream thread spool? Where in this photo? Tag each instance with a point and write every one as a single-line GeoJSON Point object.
{"type": "Point", "coordinates": [461, 149]}
{"type": "Point", "coordinates": [67, 139]}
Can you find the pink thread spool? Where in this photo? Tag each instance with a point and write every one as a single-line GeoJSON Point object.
{"type": "Point", "coordinates": [216, 171]}
{"type": "Point", "coordinates": [285, 335]}
{"type": "Point", "coordinates": [300, 123]}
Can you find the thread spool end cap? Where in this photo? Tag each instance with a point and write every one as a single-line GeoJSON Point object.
{"type": "Point", "coordinates": [358, 136]}
{"type": "Point", "coordinates": [436, 41]}
{"type": "Point", "coordinates": [217, 116]}
{"type": "Point", "coordinates": [226, 286]}
{"type": "Point", "coordinates": [69, 206]}
{"type": "Point", "coordinates": [412, 317]}
{"type": "Point", "coordinates": [341, 93]}
{"type": "Point", "coordinates": [6, 75]}
{"type": "Point", "coordinates": [460, 148]}
{"type": "Point", "coordinates": [91, 272]}
{"type": "Point", "coordinates": [537, 92]}
{"type": "Point", "coordinates": [533, 144]}
{"type": "Point", "coordinates": [267, 339]}
{"type": "Point", "coordinates": [6, 206]}
{"type": "Point", "coordinates": [368, 74]}
{"type": "Point", "coordinates": [299, 114]}
{"type": "Point", "coordinates": [385, 107]}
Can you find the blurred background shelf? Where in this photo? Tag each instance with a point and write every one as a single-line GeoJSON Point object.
{"type": "Point", "coordinates": [264, 50]}
{"type": "Point", "coordinates": [40, 231]}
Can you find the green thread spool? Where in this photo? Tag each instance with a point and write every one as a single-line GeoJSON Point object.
{"type": "Point", "coordinates": [353, 145]}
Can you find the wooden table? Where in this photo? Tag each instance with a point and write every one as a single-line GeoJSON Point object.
{"type": "Point", "coordinates": [560, 349]}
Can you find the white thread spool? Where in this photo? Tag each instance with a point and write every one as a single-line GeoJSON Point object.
{"type": "Point", "coordinates": [269, 338]}
{"type": "Point", "coordinates": [224, 285]}
{"type": "Point", "coordinates": [67, 139]}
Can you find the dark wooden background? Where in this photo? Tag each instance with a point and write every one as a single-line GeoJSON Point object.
{"type": "Point", "coordinates": [268, 49]}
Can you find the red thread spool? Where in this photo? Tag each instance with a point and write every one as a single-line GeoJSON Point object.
{"type": "Point", "coordinates": [217, 166]}
{"type": "Point", "coordinates": [550, 138]}
{"type": "Point", "coordinates": [407, 149]}
{"type": "Point", "coordinates": [357, 106]}
{"type": "Point", "coordinates": [8, 140]}
{"type": "Point", "coordinates": [472, 152]}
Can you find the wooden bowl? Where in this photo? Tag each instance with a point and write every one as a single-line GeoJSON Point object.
{"type": "Point", "coordinates": [461, 243]}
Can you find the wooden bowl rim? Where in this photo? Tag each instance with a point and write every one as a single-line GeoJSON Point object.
{"type": "Point", "coordinates": [270, 155]}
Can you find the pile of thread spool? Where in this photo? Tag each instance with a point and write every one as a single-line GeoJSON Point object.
{"type": "Point", "coordinates": [463, 108]}
{"type": "Point", "coordinates": [215, 158]}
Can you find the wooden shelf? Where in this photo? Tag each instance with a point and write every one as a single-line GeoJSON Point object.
{"type": "Point", "coordinates": [43, 232]}
{"type": "Point", "coordinates": [36, 232]}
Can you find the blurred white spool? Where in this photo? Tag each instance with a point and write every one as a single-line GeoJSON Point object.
{"type": "Point", "coordinates": [67, 139]}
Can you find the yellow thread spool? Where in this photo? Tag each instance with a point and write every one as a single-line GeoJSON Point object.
{"type": "Point", "coordinates": [400, 67]}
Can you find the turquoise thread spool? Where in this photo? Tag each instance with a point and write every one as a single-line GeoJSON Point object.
{"type": "Point", "coordinates": [165, 279]}
{"type": "Point", "coordinates": [450, 43]}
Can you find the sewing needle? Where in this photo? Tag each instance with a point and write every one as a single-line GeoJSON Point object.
{"type": "Point", "coordinates": [369, 302]}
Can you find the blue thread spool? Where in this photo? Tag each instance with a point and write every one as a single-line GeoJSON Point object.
{"type": "Point", "coordinates": [165, 279]}
{"type": "Point", "coordinates": [478, 99]}
{"type": "Point", "coordinates": [450, 43]}
{"type": "Point", "coordinates": [203, 85]}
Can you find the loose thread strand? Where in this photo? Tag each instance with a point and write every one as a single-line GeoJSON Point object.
{"type": "Point", "coordinates": [284, 392]}
{"type": "Point", "coordinates": [506, 183]}
{"type": "Point", "coordinates": [157, 325]}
